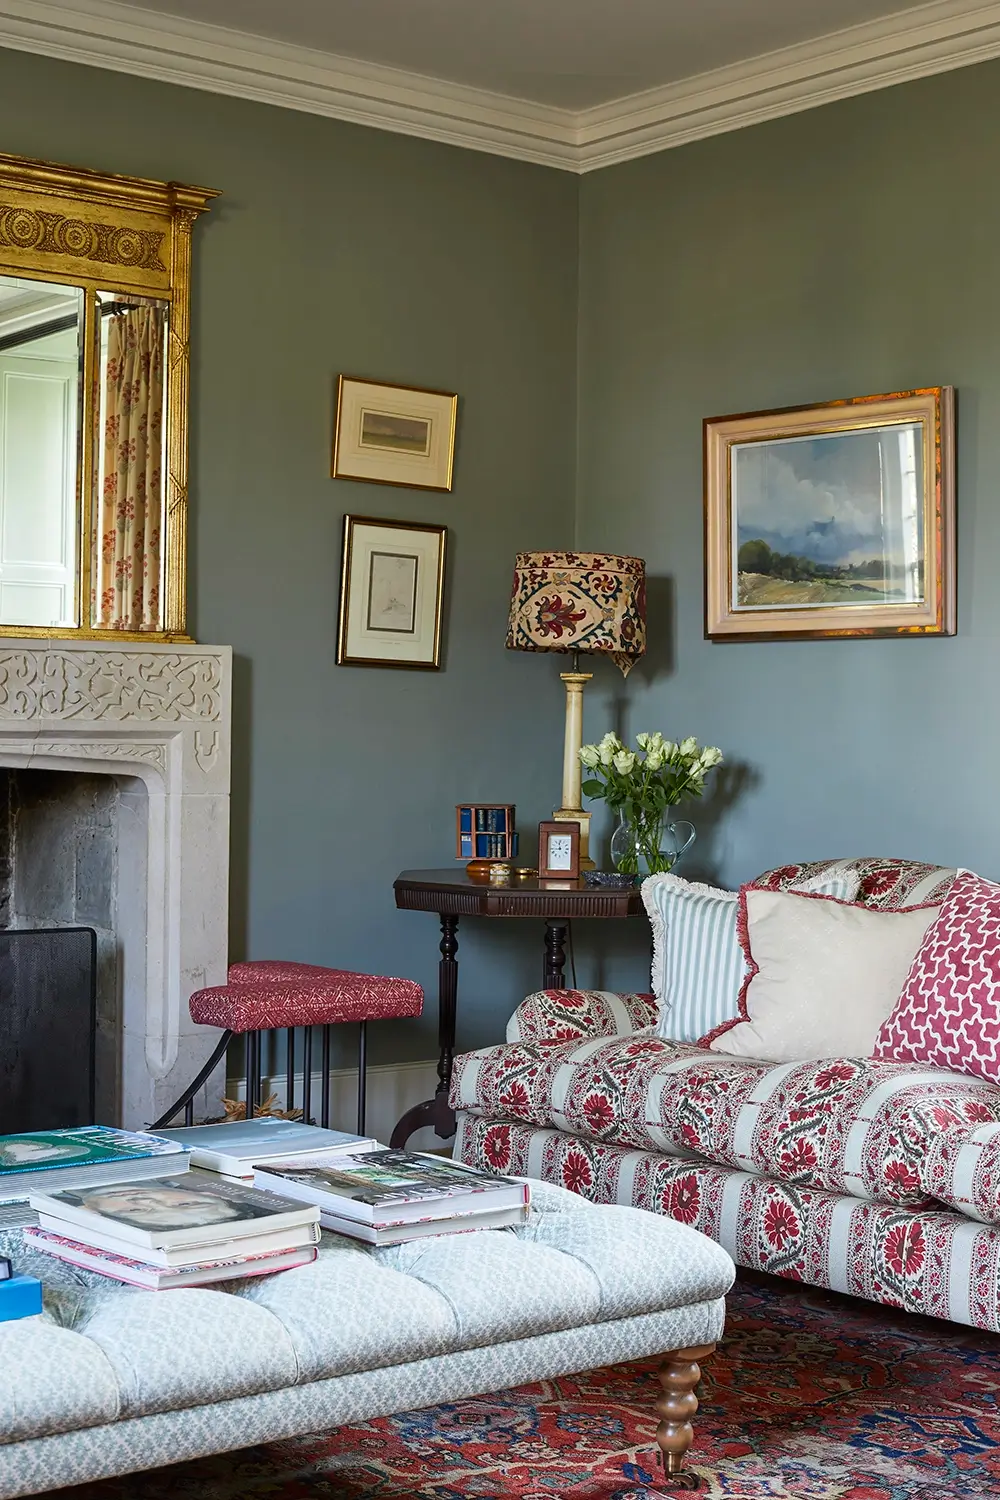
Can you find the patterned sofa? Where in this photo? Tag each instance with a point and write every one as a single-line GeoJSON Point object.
{"type": "Point", "coordinates": [875, 1178]}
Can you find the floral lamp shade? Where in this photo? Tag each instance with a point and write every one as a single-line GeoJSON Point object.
{"type": "Point", "coordinates": [579, 601]}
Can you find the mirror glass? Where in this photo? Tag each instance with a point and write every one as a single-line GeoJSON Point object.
{"type": "Point", "coordinates": [130, 462]}
{"type": "Point", "coordinates": [41, 340]}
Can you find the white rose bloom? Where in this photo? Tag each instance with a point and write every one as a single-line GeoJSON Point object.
{"type": "Point", "coordinates": [643, 741]}
{"type": "Point", "coordinates": [655, 759]}
{"type": "Point", "coordinates": [606, 753]}
{"type": "Point", "coordinates": [590, 756]}
{"type": "Point", "coordinates": [610, 739]}
{"type": "Point", "coordinates": [688, 746]}
{"type": "Point", "coordinates": [624, 762]}
{"type": "Point", "coordinates": [669, 749]}
{"type": "Point", "coordinates": [711, 756]}
{"type": "Point", "coordinates": [656, 740]}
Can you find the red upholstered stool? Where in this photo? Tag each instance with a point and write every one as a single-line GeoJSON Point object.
{"type": "Point", "coordinates": [267, 995]}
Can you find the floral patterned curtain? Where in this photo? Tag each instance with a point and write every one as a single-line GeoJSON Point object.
{"type": "Point", "coordinates": [129, 511]}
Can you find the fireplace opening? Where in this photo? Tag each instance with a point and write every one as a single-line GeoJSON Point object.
{"type": "Point", "coordinates": [73, 853]}
{"type": "Point", "coordinates": [48, 996]}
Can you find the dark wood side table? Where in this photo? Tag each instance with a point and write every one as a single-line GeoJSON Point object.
{"type": "Point", "coordinates": [453, 894]}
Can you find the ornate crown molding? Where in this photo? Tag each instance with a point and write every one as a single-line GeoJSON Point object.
{"type": "Point", "coordinates": [910, 44]}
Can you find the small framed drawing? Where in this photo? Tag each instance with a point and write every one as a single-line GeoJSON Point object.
{"type": "Point", "coordinates": [394, 434]}
{"type": "Point", "coordinates": [558, 851]}
{"type": "Point", "coordinates": [834, 520]}
{"type": "Point", "coordinates": [391, 593]}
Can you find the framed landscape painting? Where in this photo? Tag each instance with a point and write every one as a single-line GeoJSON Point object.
{"type": "Point", "coordinates": [834, 520]}
{"type": "Point", "coordinates": [391, 593]}
{"type": "Point", "coordinates": [394, 434]}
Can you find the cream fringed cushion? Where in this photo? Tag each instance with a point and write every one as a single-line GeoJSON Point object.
{"type": "Point", "coordinates": [822, 977]}
{"type": "Point", "coordinates": [698, 964]}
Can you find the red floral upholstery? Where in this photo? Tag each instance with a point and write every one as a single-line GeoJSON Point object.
{"type": "Point", "coordinates": [263, 994]}
{"type": "Point", "coordinates": [890, 1132]}
{"type": "Point", "coordinates": [565, 1015]}
{"type": "Point", "coordinates": [887, 884]}
{"type": "Point", "coordinates": [937, 1263]}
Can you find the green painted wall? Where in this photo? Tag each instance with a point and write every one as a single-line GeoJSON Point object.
{"type": "Point", "coordinates": [337, 248]}
{"type": "Point", "coordinates": [848, 250]}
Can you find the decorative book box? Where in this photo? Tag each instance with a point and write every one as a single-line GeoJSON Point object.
{"type": "Point", "coordinates": [485, 831]}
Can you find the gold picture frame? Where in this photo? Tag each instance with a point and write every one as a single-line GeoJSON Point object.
{"type": "Point", "coordinates": [834, 520]}
{"type": "Point", "coordinates": [391, 593]}
{"type": "Point", "coordinates": [394, 434]}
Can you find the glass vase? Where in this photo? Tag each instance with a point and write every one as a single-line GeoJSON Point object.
{"type": "Point", "coordinates": [650, 845]}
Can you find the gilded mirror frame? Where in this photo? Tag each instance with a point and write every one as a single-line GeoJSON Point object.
{"type": "Point", "coordinates": [123, 234]}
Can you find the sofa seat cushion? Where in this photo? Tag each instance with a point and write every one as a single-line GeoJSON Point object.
{"type": "Point", "coordinates": [890, 1132]}
{"type": "Point", "coordinates": [102, 1351]}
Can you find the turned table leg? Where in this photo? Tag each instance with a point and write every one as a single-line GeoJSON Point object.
{"type": "Point", "coordinates": [679, 1374]}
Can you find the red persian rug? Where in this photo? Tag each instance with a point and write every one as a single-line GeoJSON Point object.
{"type": "Point", "coordinates": [810, 1397]}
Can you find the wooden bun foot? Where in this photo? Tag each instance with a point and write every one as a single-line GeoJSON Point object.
{"type": "Point", "coordinates": [679, 1375]}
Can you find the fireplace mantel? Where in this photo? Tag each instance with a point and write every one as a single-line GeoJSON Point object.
{"type": "Point", "coordinates": [161, 713]}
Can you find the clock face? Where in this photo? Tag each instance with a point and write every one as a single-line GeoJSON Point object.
{"type": "Point", "coordinates": [560, 851]}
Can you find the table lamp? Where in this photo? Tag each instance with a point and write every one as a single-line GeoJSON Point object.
{"type": "Point", "coordinates": [578, 602]}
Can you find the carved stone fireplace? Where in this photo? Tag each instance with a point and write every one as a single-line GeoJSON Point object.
{"type": "Point", "coordinates": [157, 719]}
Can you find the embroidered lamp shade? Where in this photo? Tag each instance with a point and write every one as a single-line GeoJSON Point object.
{"type": "Point", "coordinates": [579, 601]}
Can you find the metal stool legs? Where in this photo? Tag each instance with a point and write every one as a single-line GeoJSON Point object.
{"type": "Point", "coordinates": [252, 1056]}
{"type": "Point", "coordinates": [186, 1100]}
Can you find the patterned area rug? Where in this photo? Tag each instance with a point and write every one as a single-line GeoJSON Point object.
{"type": "Point", "coordinates": [811, 1397]}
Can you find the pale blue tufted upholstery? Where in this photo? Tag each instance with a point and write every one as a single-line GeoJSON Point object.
{"type": "Point", "coordinates": [113, 1379]}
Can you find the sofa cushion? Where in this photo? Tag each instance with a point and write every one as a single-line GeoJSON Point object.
{"type": "Point", "coordinates": [889, 1132]}
{"type": "Point", "coordinates": [698, 962]}
{"type": "Point", "coordinates": [949, 1011]}
{"type": "Point", "coordinates": [886, 884]}
{"type": "Point", "coordinates": [822, 975]}
{"type": "Point", "coordinates": [563, 1015]}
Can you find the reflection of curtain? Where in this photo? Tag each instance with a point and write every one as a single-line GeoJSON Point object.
{"type": "Point", "coordinates": [127, 525]}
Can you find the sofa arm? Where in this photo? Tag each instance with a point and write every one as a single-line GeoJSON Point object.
{"type": "Point", "coordinates": [568, 1015]}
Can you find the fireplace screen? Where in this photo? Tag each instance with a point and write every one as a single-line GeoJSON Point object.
{"type": "Point", "coordinates": [47, 1027]}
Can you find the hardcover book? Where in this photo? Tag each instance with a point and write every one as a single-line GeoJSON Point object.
{"type": "Point", "coordinates": [83, 1156]}
{"type": "Point", "coordinates": [159, 1278]}
{"type": "Point", "coordinates": [235, 1146]}
{"type": "Point", "coordinates": [171, 1212]}
{"type": "Point", "coordinates": [392, 1187]}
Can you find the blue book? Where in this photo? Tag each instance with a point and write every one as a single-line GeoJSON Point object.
{"type": "Point", "coordinates": [20, 1297]}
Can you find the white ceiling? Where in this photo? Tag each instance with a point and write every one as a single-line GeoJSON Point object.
{"type": "Point", "coordinates": [574, 84]}
{"type": "Point", "coordinates": [572, 54]}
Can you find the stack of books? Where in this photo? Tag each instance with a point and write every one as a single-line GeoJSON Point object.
{"type": "Point", "coordinates": [177, 1231]}
{"type": "Point", "coordinates": [234, 1147]}
{"type": "Point", "coordinates": [388, 1197]}
{"type": "Point", "coordinates": [86, 1156]}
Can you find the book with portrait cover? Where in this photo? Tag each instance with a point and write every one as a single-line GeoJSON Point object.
{"type": "Point", "coordinates": [197, 1209]}
{"type": "Point", "coordinates": [86, 1154]}
{"type": "Point", "coordinates": [393, 1187]}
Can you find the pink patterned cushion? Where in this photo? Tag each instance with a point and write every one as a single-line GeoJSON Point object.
{"type": "Point", "coordinates": [949, 1012]}
{"type": "Point", "coordinates": [264, 994]}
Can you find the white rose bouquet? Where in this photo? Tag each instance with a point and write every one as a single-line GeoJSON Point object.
{"type": "Point", "coordinates": [642, 784]}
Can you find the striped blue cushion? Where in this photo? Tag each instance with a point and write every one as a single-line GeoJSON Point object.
{"type": "Point", "coordinates": [698, 964]}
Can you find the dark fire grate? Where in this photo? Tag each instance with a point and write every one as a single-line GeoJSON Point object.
{"type": "Point", "coordinates": [48, 989]}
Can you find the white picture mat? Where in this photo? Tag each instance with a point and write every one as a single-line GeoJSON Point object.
{"type": "Point", "coordinates": [412, 646]}
{"type": "Point", "coordinates": [383, 465]}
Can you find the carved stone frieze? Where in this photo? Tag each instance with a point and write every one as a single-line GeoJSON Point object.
{"type": "Point", "coordinates": [121, 686]}
{"type": "Point", "coordinates": [154, 755]}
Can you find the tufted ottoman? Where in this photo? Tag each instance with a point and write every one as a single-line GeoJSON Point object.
{"type": "Point", "coordinates": [111, 1380]}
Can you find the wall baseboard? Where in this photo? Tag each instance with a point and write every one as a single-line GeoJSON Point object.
{"type": "Point", "coordinates": [392, 1089]}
